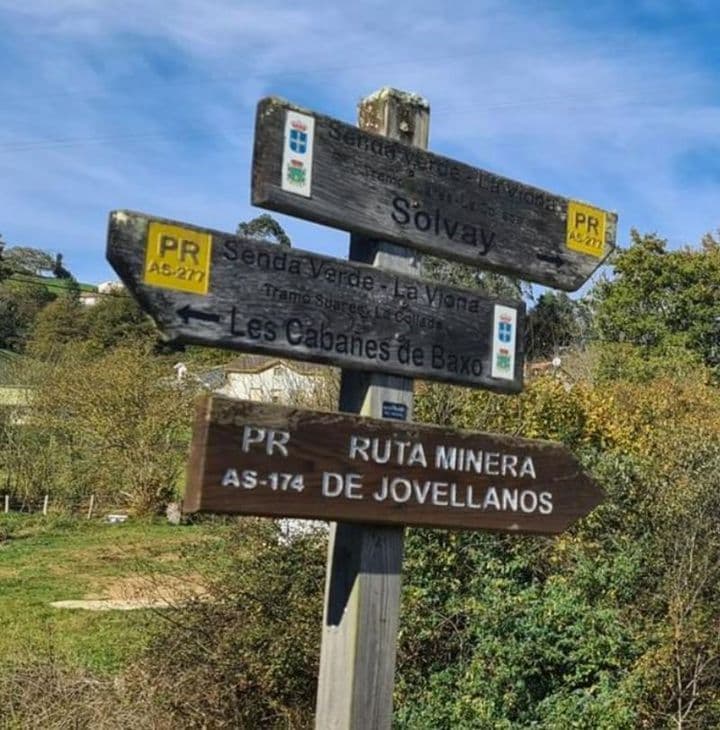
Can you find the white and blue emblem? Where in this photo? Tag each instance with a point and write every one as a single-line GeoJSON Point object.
{"type": "Point", "coordinates": [298, 141]}
{"type": "Point", "coordinates": [505, 332]}
{"type": "Point", "coordinates": [298, 153]}
{"type": "Point", "coordinates": [503, 350]}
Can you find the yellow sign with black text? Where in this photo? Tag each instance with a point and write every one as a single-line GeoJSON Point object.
{"type": "Point", "coordinates": [177, 258]}
{"type": "Point", "coordinates": [586, 229]}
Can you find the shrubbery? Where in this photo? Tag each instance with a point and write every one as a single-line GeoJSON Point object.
{"type": "Point", "coordinates": [247, 654]}
{"type": "Point", "coordinates": [613, 624]}
{"type": "Point", "coordinates": [610, 625]}
{"type": "Point", "coordinates": [116, 426]}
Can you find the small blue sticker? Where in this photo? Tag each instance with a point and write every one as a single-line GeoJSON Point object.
{"type": "Point", "coordinates": [398, 411]}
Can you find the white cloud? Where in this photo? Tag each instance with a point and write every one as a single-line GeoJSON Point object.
{"type": "Point", "coordinates": [592, 112]}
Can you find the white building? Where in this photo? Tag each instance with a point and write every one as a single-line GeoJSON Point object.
{"type": "Point", "coordinates": [269, 379]}
{"type": "Point", "coordinates": [90, 296]}
{"type": "Point", "coordinates": [265, 379]}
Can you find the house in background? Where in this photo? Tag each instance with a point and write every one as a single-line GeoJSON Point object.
{"type": "Point", "coordinates": [269, 379]}
{"type": "Point", "coordinates": [90, 294]}
{"type": "Point", "coordinates": [260, 378]}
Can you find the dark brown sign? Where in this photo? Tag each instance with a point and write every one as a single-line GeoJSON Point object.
{"type": "Point", "coordinates": [262, 459]}
{"type": "Point", "coordinates": [211, 288]}
{"type": "Point", "coordinates": [324, 170]}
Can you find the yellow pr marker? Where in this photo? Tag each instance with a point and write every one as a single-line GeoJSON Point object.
{"type": "Point", "coordinates": [177, 258]}
{"type": "Point", "coordinates": [586, 229]}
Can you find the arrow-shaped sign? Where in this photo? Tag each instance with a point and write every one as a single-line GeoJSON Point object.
{"type": "Point", "coordinates": [263, 459]}
{"type": "Point", "coordinates": [324, 170]}
{"type": "Point", "coordinates": [211, 288]}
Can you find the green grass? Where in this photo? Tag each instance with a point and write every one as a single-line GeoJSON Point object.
{"type": "Point", "coordinates": [46, 560]}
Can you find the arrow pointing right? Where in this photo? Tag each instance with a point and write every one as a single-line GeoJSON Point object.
{"type": "Point", "coordinates": [551, 259]}
{"type": "Point", "coordinates": [358, 469]}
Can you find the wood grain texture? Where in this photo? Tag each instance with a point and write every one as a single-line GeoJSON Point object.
{"type": "Point", "coordinates": [360, 625]}
{"type": "Point", "coordinates": [387, 189]}
{"type": "Point", "coordinates": [362, 596]}
{"type": "Point", "coordinates": [405, 473]}
{"type": "Point", "coordinates": [269, 299]}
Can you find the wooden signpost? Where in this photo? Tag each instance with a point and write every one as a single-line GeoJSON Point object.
{"type": "Point", "coordinates": [372, 316]}
{"type": "Point", "coordinates": [211, 288]}
{"type": "Point", "coordinates": [362, 592]}
{"type": "Point", "coordinates": [277, 461]}
{"type": "Point", "coordinates": [319, 168]}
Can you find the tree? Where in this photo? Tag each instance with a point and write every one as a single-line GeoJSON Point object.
{"type": "Point", "coordinates": [116, 319]}
{"type": "Point", "coordinates": [20, 304]}
{"type": "Point", "coordinates": [469, 277]}
{"type": "Point", "coordinates": [555, 323]}
{"type": "Point", "coordinates": [61, 322]}
{"type": "Point", "coordinates": [264, 228]}
{"type": "Point", "coordinates": [660, 300]}
{"type": "Point", "coordinates": [115, 425]}
{"type": "Point", "coordinates": [247, 657]}
{"type": "Point", "coordinates": [58, 270]}
{"type": "Point", "coordinates": [5, 269]}
{"type": "Point", "coordinates": [28, 260]}
{"type": "Point", "coordinates": [23, 295]}
{"type": "Point", "coordinates": [612, 624]}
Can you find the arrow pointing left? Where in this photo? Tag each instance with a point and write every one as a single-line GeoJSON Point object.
{"type": "Point", "coordinates": [206, 287]}
{"type": "Point", "coordinates": [187, 313]}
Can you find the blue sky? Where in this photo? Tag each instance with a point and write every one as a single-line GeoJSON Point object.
{"type": "Point", "coordinates": [146, 105]}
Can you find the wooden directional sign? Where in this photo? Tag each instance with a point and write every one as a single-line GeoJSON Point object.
{"type": "Point", "coordinates": [262, 459]}
{"type": "Point", "coordinates": [211, 288]}
{"type": "Point", "coordinates": [324, 170]}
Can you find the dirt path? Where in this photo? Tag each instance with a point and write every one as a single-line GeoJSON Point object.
{"type": "Point", "coordinates": [138, 592]}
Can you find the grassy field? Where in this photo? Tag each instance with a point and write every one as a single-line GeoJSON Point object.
{"type": "Point", "coordinates": [43, 560]}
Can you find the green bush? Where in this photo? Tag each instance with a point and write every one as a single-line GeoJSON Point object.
{"type": "Point", "coordinates": [245, 655]}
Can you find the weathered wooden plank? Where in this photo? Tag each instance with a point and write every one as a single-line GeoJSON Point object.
{"type": "Point", "coordinates": [212, 288]}
{"type": "Point", "coordinates": [362, 596]}
{"type": "Point", "coordinates": [264, 459]}
{"type": "Point", "coordinates": [363, 182]}
{"type": "Point", "coordinates": [360, 626]}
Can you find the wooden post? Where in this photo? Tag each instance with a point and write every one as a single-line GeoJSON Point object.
{"type": "Point", "coordinates": [45, 504]}
{"type": "Point", "coordinates": [362, 593]}
{"type": "Point", "coordinates": [91, 506]}
{"type": "Point", "coordinates": [7, 503]}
